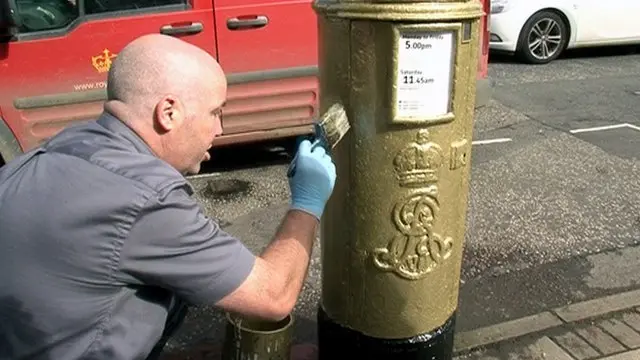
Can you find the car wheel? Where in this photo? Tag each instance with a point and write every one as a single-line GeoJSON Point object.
{"type": "Point", "coordinates": [543, 38]}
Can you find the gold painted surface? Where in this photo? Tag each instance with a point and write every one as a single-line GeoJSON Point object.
{"type": "Point", "coordinates": [392, 234]}
{"type": "Point", "coordinates": [401, 10]}
{"type": "Point", "coordinates": [416, 250]}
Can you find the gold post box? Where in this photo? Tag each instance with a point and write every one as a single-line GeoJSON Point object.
{"type": "Point", "coordinates": [392, 234]}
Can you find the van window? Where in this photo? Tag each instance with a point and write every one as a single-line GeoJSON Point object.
{"type": "Point", "coordinates": [102, 6]}
{"type": "Point", "coordinates": [42, 15]}
{"type": "Point", "coordinates": [39, 15]}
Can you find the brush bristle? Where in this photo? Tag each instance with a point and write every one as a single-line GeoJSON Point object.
{"type": "Point", "coordinates": [335, 124]}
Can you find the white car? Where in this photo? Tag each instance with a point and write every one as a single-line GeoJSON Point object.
{"type": "Point", "coordinates": [538, 31]}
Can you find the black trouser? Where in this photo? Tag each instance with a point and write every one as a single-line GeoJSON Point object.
{"type": "Point", "coordinates": [177, 314]}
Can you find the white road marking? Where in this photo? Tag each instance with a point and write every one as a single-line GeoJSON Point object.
{"type": "Point", "coordinates": [491, 141]}
{"type": "Point", "coordinates": [606, 127]}
{"type": "Point", "coordinates": [634, 127]}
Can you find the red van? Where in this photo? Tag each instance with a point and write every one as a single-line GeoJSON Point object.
{"type": "Point", "coordinates": [55, 54]}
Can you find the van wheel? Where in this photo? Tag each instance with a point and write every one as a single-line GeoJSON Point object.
{"type": "Point", "coordinates": [543, 38]}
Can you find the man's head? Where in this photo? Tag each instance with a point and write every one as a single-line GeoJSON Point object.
{"type": "Point", "coordinates": [171, 94]}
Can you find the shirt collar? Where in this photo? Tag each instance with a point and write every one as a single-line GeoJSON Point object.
{"type": "Point", "coordinates": [120, 129]}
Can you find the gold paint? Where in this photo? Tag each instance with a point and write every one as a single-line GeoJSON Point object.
{"type": "Point", "coordinates": [417, 164]}
{"type": "Point", "coordinates": [460, 151]}
{"type": "Point", "coordinates": [392, 235]}
{"type": "Point", "coordinates": [399, 10]}
{"type": "Point", "coordinates": [416, 250]}
{"type": "Point", "coordinates": [102, 63]}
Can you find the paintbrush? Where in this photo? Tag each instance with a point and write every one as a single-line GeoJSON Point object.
{"type": "Point", "coordinates": [328, 131]}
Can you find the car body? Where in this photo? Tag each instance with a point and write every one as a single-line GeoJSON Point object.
{"type": "Point", "coordinates": [580, 23]}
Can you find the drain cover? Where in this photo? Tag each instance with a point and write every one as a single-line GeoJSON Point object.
{"type": "Point", "coordinates": [226, 187]}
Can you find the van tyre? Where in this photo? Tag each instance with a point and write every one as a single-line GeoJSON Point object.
{"type": "Point", "coordinates": [543, 38]}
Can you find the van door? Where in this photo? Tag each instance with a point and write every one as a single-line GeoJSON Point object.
{"type": "Point", "coordinates": [268, 48]}
{"type": "Point", "coordinates": [54, 69]}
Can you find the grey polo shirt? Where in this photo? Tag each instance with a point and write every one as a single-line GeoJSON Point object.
{"type": "Point", "coordinates": [97, 236]}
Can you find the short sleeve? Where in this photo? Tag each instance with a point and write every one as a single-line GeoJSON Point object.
{"type": "Point", "coordinates": [174, 245]}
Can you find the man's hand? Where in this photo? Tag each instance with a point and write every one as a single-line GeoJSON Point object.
{"type": "Point", "coordinates": [313, 181]}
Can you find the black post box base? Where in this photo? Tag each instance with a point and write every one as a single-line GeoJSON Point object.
{"type": "Point", "coordinates": [336, 342]}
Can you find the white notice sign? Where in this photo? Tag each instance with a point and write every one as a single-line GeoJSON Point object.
{"type": "Point", "coordinates": [423, 81]}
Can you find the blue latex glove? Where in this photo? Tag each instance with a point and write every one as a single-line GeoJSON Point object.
{"type": "Point", "coordinates": [312, 181]}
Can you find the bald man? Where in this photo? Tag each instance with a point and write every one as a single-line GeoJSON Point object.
{"type": "Point", "coordinates": [102, 245]}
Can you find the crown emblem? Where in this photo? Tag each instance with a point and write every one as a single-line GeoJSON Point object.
{"type": "Point", "coordinates": [102, 62]}
{"type": "Point", "coordinates": [418, 163]}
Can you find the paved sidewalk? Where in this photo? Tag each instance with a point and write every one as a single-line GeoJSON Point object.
{"type": "Point", "coordinates": [601, 329]}
{"type": "Point", "coordinates": [606, 328]}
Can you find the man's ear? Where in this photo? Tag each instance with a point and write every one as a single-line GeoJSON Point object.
{"type": "Point", "coordinates": [169, 113]}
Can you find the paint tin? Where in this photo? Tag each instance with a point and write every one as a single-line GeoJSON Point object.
{"type": "Point", "coordinates": [254, 339]}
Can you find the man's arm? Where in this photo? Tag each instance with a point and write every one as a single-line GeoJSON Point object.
{"type": "Point", "coordinates": [173, 245]}
{"type": "Point", "coordinates": [272, 288]}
